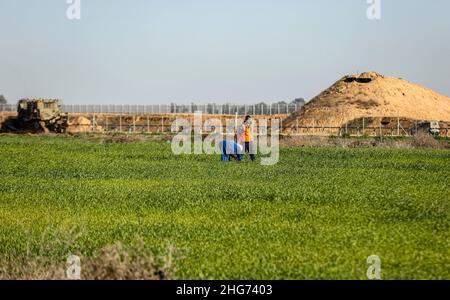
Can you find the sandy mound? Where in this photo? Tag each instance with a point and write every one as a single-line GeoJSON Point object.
{"type": "Point", "coordinates": [82, 124]}
{"type": "Point", "coordinates": [371, 95]}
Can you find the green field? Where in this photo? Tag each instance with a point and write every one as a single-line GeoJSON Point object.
{"type": "Point", "coordinates": [317, 214]}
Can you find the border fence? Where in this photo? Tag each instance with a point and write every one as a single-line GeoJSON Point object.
{"type": "Point", "coordinates": [147, 123]}
{"type": "Point", "coordinates": [159, 119]}
{"type": "Point", "coordinates": [218, 109]}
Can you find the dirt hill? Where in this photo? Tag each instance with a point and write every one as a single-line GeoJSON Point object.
{"type": "Point", "coordinates": [371, 95]}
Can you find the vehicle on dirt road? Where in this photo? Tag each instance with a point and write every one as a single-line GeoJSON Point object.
{"type": "Point", "coordinates": [37, 116]}
{"type": "Point", "coordinates": [428, 127]}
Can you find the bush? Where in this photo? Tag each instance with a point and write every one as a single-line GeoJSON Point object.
{"type": "Point", "coordinates": [424, 140]}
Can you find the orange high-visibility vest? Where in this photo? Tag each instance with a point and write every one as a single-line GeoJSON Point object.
{"type": "Point", "coordinates": [248, 134]}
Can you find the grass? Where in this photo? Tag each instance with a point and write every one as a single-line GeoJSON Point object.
{"type": "Point", "coordinates": [317, 214]}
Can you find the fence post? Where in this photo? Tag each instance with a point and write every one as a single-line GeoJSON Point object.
{"type": "Point", "coordinates": [148, 124]}
{"type": "Point", "coordinates": [120, 123]}
{"type": "Point", "coordinates": [364, 126]}
{"type": "Point", "coordinates": [381, 131]}
{"type": "Point", "coordinates": [162, 124]}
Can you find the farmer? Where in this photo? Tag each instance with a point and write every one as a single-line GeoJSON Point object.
{"type": "Point", "coordinates": [245, 136]}
{"type": "Point", "coordinates": [230, 150]}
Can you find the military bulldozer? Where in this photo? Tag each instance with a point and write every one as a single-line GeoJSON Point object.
{"type": "Point", "coordinates": [37, 116]}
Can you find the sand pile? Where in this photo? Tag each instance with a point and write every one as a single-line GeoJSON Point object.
{"type": "Point", "coordinates": [82, 124]}
{"type": "Point", "coordinates": [371, 95]}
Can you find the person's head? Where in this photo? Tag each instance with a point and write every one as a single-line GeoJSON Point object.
{"type": "Point", "coordinates": [248, 119]}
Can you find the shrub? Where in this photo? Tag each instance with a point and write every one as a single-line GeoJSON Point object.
{"type": "Point", "coordinates": [424, 140]}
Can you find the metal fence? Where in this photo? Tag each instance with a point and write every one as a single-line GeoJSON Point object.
{"type": "Point", "coordinates": [221, 109]}
{"type": "Point", "coordinates": [8, 108]}
{"type": "Point", "coordinates": [145, 123]}
{"type": "Point", "coordinates": [139, 119]}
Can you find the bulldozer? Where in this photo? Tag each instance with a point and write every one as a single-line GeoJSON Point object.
{"type": "Point", "coordinates": [38, 116]}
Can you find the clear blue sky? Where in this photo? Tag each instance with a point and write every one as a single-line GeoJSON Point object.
{"type": "Point", "coordinates": [242, 51]}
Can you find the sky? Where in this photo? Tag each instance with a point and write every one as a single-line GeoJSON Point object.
{"type": "Point", "coordinates": [238, 51]}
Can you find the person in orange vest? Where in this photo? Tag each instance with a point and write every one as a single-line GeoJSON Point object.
{"type": "Point", "coordinates": [247, 127]}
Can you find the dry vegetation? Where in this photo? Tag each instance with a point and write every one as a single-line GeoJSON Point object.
{"type": "Point", "coordinates": [45, 261]}
{"type": "Point", "coordinates": [419, 141]}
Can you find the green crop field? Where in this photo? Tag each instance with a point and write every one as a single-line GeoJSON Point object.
{"type": "Point", "coordinates": [318, 214]}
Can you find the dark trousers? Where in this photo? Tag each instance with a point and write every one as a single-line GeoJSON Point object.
{"type": "Point", "coordinates": [249, 149]}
